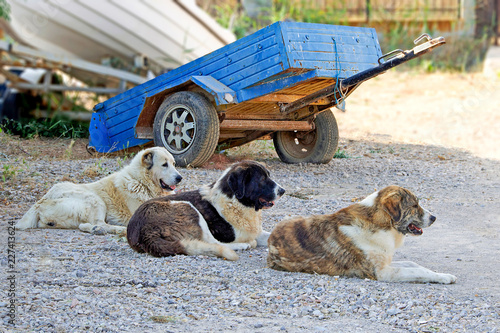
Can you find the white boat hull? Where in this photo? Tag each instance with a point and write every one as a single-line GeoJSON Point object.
{"type": "Point", "coordinates": [168, 33]}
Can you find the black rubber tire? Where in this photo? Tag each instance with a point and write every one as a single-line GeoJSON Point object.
{"type": "Point", "coordinates": [187, 125]}
{"type": "Point", "coordinates": [317, 146]}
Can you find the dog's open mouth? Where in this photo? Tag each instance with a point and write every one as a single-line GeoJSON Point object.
{"type": "Point", "coordinates": [166, 187]}
{"type": "Point", "coordinates": [266, 204]}
{"type": "Point", "coordinates": [414, 229]}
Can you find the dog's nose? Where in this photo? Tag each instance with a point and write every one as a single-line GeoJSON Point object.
{"type": "Point", "coordinates": [281, 191]}
{"type": "Point", "coordinates": [178, 179]}
{"type": "Point", "coordinates": [432, 218]}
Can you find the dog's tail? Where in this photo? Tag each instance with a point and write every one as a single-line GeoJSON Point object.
{"type": "Point", "coordinates": [29, 220]}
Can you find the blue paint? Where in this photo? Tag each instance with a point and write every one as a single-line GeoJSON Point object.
{"type": "Point", "coordinates": [256, 65]}
{"type": "Point", "coordinates": [216, 89]}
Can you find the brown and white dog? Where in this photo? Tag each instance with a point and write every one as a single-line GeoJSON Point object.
{"type": "Point", "coordinates": [213, 220]}
{"type": "Point", "coordinates": [357, 241]}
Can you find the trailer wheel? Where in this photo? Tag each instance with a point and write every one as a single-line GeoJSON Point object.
{"type": "Point", "coordinates": [316, 146]}
{"type": "Point", "coordinates": [187, 125]}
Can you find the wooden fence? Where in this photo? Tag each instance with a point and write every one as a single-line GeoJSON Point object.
{"type": "Point", "coordinates": [442, 15]}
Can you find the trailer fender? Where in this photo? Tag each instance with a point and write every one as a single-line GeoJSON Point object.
{"type": "Point", "coordinates": [220, 95]}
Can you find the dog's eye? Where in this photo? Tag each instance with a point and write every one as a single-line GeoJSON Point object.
{"type": "Point", "coordinates": [165, 165]}
{"type": "Point", "coordinates": [51, 224]}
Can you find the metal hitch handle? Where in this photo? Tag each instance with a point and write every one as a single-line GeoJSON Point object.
{"type": "Point", "coordinates": [429, 44]}
{"type": "Point", "coordinates": [422, 36]}
{"type": "Point", "coordinates": [388, 54]}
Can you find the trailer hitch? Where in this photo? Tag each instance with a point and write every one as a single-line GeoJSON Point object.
{"type": "Point", "coordinates": [396, 58]}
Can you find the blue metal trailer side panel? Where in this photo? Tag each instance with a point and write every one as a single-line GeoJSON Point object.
{"type": "Point", "coordinates": [280, 54]}
{"type": "Point", "coordinates": [342, 49]}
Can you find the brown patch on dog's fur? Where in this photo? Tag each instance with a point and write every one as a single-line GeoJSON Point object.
{"type": "Point", "coordinates": [358, 240]}
{"type": "Point", "coordinates": [316, 245]}
{"type": "Point", "coordinates": [165, 241]}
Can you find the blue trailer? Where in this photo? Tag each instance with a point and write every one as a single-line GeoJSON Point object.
{"type": "Point", "coordinates": [280, 81]}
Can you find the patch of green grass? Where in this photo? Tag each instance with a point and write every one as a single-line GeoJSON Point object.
{"type": "Point", "coordinates": [102, 169]}
{"type": "Point", "coordinates": [58, 127]}
{"type": "Point", "coordinates": [121, 160]}
{"type": "Point", "coordinates": [340, 154]}
{"type": "Point", "coordinates": [9, 172]}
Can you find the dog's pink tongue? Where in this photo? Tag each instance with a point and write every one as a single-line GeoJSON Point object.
{"type": "Point", "coordinates": [266, 204]}
{"type": "Point", "coordinates": [172, 187]}
{"type": "Point", "coordinates": [415, 230]}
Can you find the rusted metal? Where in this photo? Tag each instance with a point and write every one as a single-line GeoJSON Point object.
{"type": "Point", "coordinates": [282, 98]}
{"type": "Point", "coordinates": [248, 138]}
{"type": "Point", "coordinates": [307, 100]}
{"type": "Point", "coordinates": [144, 125]}
{"type": "Point", "coordinates": [268, 125]}
{"type": "Point", "coordinates": [231, 135]}
{"type": "Point", "coordinates": [253, 116]}
{"type": "Point", "coordinates": [144, 132]}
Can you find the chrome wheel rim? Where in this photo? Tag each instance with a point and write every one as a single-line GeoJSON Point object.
{"type": "Point", "coordinates": [179, 129]}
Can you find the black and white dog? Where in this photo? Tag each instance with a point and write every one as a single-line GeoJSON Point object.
{"type": "Point", "coordinates": [213, 220]}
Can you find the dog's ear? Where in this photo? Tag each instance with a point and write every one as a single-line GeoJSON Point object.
{"type": "Point", "coordinates": [147, 160]}
{"type": "Point", "coordinates": [236, 182]}
{"type": "Point", "coordinates": [392, 205]}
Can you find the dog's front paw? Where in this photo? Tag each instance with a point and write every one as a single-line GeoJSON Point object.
{"type": "Point", "coordinates": [239, 246]}
{"type": "Point", "coordinates": [229, 254]}
{"type": "Point", "coordinates": [446, 278]}
{"type": "Point", "coordinates": [98, 230]}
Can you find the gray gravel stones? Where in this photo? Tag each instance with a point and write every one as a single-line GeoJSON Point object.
{"type": "Point", "coordinates": [69, 281]}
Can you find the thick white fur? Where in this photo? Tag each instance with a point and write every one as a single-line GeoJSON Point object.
{"type": "Point", "coordinates": [104, 206]}
{"type": "Point", "coordinates": [369, 201]}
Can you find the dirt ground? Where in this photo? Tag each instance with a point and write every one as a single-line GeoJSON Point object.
{"type": "Point", "coordinates": [437, 133]}
{"type": "Point", "coordinates": [449, 110]}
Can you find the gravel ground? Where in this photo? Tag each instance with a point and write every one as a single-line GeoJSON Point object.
{"type": "Point", "coordinates": [68, 281]}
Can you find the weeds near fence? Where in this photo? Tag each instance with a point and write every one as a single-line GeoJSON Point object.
{"type": "Point", "coordinates": [461, 53]}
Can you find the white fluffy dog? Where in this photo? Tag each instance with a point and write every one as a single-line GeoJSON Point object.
{"type": "Point", "coordinates": [106, 205]}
